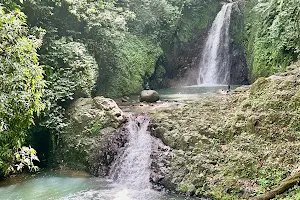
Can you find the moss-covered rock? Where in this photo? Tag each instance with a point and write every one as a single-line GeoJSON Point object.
{"type": "Point", "coordinates": [93, 136]}
{"type": "Point", "coordinates": [234, 146]}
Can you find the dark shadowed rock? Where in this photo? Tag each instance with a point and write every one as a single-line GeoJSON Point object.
{"type": "Point", "coordinates": [161, 157]}
{"type": "Point", "coordinates": [108, 147]}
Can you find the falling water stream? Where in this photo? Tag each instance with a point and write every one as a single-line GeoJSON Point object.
{"type": "Point", "coordinates": [131, 169]}
{"type": "Point", "coordinates": [215, 63]}
{"type": "Point", "coordinates": [130, 173]}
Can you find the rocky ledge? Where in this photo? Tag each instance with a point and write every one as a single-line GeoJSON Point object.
{"type": "Point", "coordinates": [232, 146]}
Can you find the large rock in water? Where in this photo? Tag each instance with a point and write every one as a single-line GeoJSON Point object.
{"type": "Point", "coordinates": [149, 96]}
{"type": "Point", "coordinates": [92, 137]}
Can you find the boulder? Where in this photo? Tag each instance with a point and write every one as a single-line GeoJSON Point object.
{"type": "Point", "coordinates": [92, 136]}
{"type": "Point", "coordinates": [149, 96]}
{"type": "Point", "coordinates": [86, 110]}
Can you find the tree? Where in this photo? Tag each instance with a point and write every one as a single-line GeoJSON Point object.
{"type": "Point", "coordinates": [21, 87]}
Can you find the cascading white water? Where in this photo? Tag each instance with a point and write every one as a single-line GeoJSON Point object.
{"type": "Point", "coordinates": [130, 173]}
{"type": "Point", "coordinates": [132, 168]}
{"type": "Point", "coordinates": [214, 65]}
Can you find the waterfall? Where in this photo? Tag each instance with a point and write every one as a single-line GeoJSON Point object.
{"type": "Point", "coordinates": [129, 177]}
{"type": "Point", "coordinates": [215, 64]}
{"type": "Point", "coordinates": [131, 169]}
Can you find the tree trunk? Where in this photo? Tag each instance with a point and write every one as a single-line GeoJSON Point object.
{"type": "Point", "coordinates": [283, 187]}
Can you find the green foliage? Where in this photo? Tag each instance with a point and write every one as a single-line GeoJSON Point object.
{"type": "Point", "coordinates": [269, 177]}
{"type": "Point", "coordinates": [196, 17]}
{"type": "Point", "coordinates": [105, 23]}
{"type": "Point", "coordinates": [102, 14]}
{"type": "Point", "coordinates": [133, 60]}
{"type": "Point", "coordinates": [71, 72]}
{"type": "Point", "coordinates": [21, 86]}
{"type": "Point", "coordinates": [272, 32]}
{"type": "Point", "coordinates": [24, 157]}
{"type": "Point", "coordinates": [157, 19]}
{"type": "Point", "coordinates": [70, 69]}
{"type": "Point", "coordinates": [162, 20]}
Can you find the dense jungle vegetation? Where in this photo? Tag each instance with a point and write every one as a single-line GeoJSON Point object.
{"type": "Point", "coordinates": [55, 51]}
{"type": "Point", "coordinates": [272, 35]}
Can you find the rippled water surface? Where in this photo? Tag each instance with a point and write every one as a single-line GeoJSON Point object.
{"type": "Point", "coordinates": [64, 187]}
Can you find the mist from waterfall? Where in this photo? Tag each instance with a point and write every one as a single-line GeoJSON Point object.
{"type": "Point", "coordinates": [215, 62]}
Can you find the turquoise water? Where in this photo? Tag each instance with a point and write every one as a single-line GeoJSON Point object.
{"type": "Point", "coordinates": [192, 92]}
{"type": "Point", "coordinates": [52, 186]}
{"type": "Point", "coordinates": [44, 186]}
{"type": "Point", "coordinates": [187, 93]}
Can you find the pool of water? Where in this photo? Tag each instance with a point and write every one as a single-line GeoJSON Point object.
{"type": "Point", "coordinates": [57, 186]}
{"type": "Point", "coordinates": [171, 96]}
{"type": "Point", "coordinates": [185, 93]}
{"type": "Point", "coordinates": [192, 92]}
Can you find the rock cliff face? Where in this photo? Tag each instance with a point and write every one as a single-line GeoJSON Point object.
{"type": "Point", "coordinates": [239, 69]}
{"type": "Point", "coordinates": [233, 146]}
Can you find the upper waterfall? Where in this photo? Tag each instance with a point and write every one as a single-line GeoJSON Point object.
{"type": "Point", "coordinates": [215, 63]}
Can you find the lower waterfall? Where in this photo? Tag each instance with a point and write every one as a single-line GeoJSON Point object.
{"type": "Point", "coordinates": [129, 177]}
{"type": "Point", "coordinates": [131, 169]}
